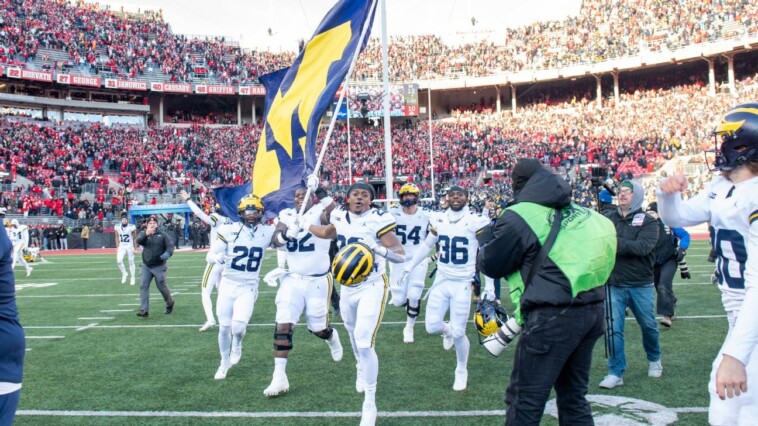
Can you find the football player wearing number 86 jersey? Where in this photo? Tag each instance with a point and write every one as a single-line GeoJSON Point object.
{"type": "Point", "coordinates": [730, 205]}
{"type": "Point", "coordinates": [362, 305]}
{"type": "Point", "coordinates": [239, 247]}
{"type": "Point", "coordinates": [454, 230]}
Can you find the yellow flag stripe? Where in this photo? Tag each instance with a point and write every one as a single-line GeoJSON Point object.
{"type": "Point", "coordinates": [386, 229]}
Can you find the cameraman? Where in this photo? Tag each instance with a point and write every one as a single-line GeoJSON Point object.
{"type": "Point", "coordinates": [558, 293]}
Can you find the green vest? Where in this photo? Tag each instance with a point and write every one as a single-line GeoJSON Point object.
{"type": "Point", "coordinates": [584, 250]}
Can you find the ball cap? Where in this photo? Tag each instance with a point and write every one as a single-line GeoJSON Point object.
{"type": "Point", "coordinates": [152, 218]}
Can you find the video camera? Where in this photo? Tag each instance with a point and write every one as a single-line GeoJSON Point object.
{"type": "Point", "coordinates": [598, 176]}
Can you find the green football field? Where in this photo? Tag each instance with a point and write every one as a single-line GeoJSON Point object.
{"type": "Point", "coordinates": [91, 360]}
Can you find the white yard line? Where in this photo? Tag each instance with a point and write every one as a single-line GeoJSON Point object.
{"type": "Point", "coordinates": [95, 318]}
{"type": "Point", "coordinates": [45, 337]}
{"type": "Point", "coordinates": [86, 326]}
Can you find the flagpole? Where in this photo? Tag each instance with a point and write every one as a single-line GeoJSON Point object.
{"type": "Point", "coordinates": [349, 153]}
{"type": "Point", "coordinates": [328, 136]}
{"type": "Point", "coordinates": [388, 179]}
{"type": "Point", "coordinates": [429, 115]}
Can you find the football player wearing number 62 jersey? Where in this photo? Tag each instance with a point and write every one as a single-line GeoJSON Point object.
{"type": "Point", "coordinates": [362, 305]}
{"type": "Point", "coordinates": [730, 205]}
{"type": "Point", "coordinates": [125, 241]}
{"type": "Point", "coordinates": [412, 225]}
{"type": "Point", "coordinates": [454, 230]}
{"type": "Point", "coordinates": [239, 247]}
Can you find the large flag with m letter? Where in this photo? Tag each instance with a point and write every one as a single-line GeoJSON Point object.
{"type": "Point", "coordinates": [297, 98]}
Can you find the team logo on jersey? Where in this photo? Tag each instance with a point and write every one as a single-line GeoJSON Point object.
{"type": "Point", "coordinates": [621, 411]}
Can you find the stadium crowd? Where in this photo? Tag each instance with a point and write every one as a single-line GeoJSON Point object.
{"type": "Point", "coordinates": [128, 46]}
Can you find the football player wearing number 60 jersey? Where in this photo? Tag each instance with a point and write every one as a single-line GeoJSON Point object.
{"type": "Point", "coordinates": [212, 273]}
{"type": "Point", "coordinates": [126, 241]}
{"type": "Point", "coordinates": [306, 285]}
{"type": "Point", "coordinates": [730, 205]}
{"type": "Point", "coordinates": [362, 305]}
{"type": "Point", "coordinates": [239, 248]}
{"type": "Point", "coordinates": [454, 230]}
{"type": "Point", "coordinates": [412, 225]}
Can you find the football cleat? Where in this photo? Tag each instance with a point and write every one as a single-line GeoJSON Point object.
{"type": "Point", "coordinates": [207, 326]}
{"type": "Point", "coordinates": [408, 334]}
{"type": "Point", "coordinates": [131, 281]}
{"type": "Point", "coordinates": [221, 372]}
{"type": "Point", "coordinates": [123, 277]}
{"type": "Point", "coordinates": [360, 385]}
{"type": "Point", "coordinates": [461, 379]}
{"type": "Point", "coordinates": [335, 346]}
{"type": "Point", "coordinates": [368, 415]}
{"type": "Point", "coordinates": [29, 271]}
{"type": "Point", "coordinates": [235, 356]}
{"type": "Point", "coordinates": [279, 385]}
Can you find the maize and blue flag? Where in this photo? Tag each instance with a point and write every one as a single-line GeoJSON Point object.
{"type": "Point", "coordinates": [228, 197]}
{"type": "Point", "coordinates": [296, 99]}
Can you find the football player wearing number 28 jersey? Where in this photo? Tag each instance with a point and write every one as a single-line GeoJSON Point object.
{"type": "Point", "coordinates": [730, 205]}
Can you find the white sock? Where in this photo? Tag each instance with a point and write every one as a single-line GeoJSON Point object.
{"type": "Point", "coordinates": [224, 343]}
{"type": "Point", "coordinates": [280, 366]}
{"type": "Point", "coordinates": [461, 352]}
{"type": "Point", "coordinates": [370, 367]}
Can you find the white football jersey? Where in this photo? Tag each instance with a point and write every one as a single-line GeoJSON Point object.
{"type": "Point", "coordinates": [125, 235]}
{"type": "Point", "coordinates": [456, 242]}
{"type": "Point", "coordinates": [411, 229]}
{"type": "Point", "coordinates": [243, 250]}
{"type": "Point", "coordinates": [16, 235]}
{"type": "Point", "coordinates": [216, 221]}
{"type": "Point", "coordinates": [372, 224]}
{"type": "Point", "coordinates": [306, 254]}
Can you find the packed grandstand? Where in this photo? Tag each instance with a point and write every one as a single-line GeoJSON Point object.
{"type": "Point", "coordinates": [102, 109]}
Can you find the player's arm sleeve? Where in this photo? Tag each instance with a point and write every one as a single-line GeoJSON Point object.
{"type": "Point", "coordinates": [423, 250]}
{"type": "Point", "coordinates": [201, 214]}
{"type": "Point", "coordinates": [643, 244]}
{"type": "Point", "coordinates": [503, 254]}
{"type": "Point", "coordinates": [683, 236]}
{"type": "Point", "coordinates": [743, 339]}
{"type": "Point", "coordinates": [678, 214]}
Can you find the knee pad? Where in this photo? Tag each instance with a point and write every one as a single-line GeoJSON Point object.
{"type": "Point", "coordinates": [285, 334]}
{"type": "Point", "coordinates": [411, 311]}
{"type": "Point", "coordinates": [325, 334]}
{"type": "Point", "coordinates": [458, 332]}
{"type": "Point", "coordinates": [239, 327]}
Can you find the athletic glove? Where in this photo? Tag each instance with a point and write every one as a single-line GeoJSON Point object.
{"type": "Point", "coordinates": [679, 253]}
{"type": "Point", "coordinates": [312, 182]}
{"type": "Point", "coordinates": [292, 231]}
{"type": "Point", "coordinates": [488, 295]}
{"type": "Point", "coordinates": [498, 341]}
{"type": "Point", "coordinates": [686, 275]}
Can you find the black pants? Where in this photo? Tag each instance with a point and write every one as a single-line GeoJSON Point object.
{"type": "Point", "coordinates": [554, 350]}
{"type": "Point", "coordinates": [84, 241]}
{"type": "Point", "coordinates": [663, 277]}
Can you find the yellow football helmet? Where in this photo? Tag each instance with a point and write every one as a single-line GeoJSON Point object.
{"type": "Point", "coordinates": [409, 188]}
{"type": "Point", "coordinates": [250, 210]}
{"type": "Point", "coordinates": [489, 317]}
{"type": "Point", "coordinates": [353, 264]}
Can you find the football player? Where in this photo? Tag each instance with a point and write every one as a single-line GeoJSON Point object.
{"type": "Point", "coordinates": [412, 225]}
{"type": "Point", "coordinates": [362, 305]}
{"type": "Point", "coordinates": [212, 273]}
{"type": "Point", "coordinates": [19, 235]}
{"type": "Point", "coordinates": [239, 249]}
{"type": "Point", "coordinates": [730, 206]}
{"type": "Point", "coordinates": [126, 241]}
{"type": "Point", "coordinates": [454, 231]}
{"type": "Point", "coordinates": [305, 287]}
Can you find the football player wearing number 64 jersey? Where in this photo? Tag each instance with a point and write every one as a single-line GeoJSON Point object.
{"type": "Point", "coordinates": [454, 230]}
{"type": "Point", "coordinates": [125, 241]}
{"type": "Point", "coordinates": [730, 205]}
{"type": "Point", "coordinates": [362, 305]}
{"type": "Point", "coordinates": [239, 247]}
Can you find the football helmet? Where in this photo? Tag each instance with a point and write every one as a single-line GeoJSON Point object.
{"type": "Point", "coordinates": [488, 318]}
{"type": "Point", "coordinates": [736, 138]}
{"type": "Point", "coordinates": [353, 264]}
{"type": "Point", "coordinates": [250, 210]}
{"type": "Point", "coordinates": [409, 189]}
{"type": "Point", "coordinates": [15, 223]}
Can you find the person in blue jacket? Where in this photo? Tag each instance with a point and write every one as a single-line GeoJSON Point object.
{"type": "Point", "coordinates": [12, 339]}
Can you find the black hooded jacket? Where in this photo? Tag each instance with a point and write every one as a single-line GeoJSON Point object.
{"type": "Point", "coordinates": [513, 246]}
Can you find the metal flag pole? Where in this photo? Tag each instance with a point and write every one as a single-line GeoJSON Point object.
{"type": "Point", "coordinates": [349, 152]}
{"type": "Point", "coordinates": [388, 179]}
{"type": "Point", "coordinates": [429, 115]}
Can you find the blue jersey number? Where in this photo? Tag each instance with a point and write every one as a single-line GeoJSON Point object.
{"type": "Point", "coordinates": [453, 250]}
{"type": "Point", "coordinates": [253, 256]}
{"type": "Point", "coordinates": [731, 243]}
{"type": "Point", "coordinates": [414, 235]}
{"type": "Point", "coordinates": [342, 242]}
{"type": "Point", "coordinates": [301, 245]}
{"type": "Point", "coordinates": [125, 238]}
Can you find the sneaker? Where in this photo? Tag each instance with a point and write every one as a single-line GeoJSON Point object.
{"type": "Point", "coordinates": [359, 383]}
{"type": "Point", "coordinates": [368, 416]}
{"type": "Point", "coordinates": [142, 313]}
{"type": "Point", "coordinates": [461, 379]}
{"type": "Point", "coordinates": [207, 326]}
{"type": "Point", "coordinates": [279, 385]}
{"type": "Point", "coordinates": [234, 357]}
{"type": "Point", "coordinates": [447, 341]}
{"type": "Point", "coordinates": [221, 372]}
{"type": "Point", "coordinates": [123, 277]}
{"type": "Point", "coordinates": [610, 381]}
{"type": "Point", "coordinates": [335, 346]}
{"type": "Point", "coordinates": [408, 334]}
{"type": "Point", "coordinates": [29, 271]}
{"type": "Point", "coordinates": [666, 321]}
{"type": "Point", "coordinates": [170, 307]}
{"type": "Point", "coordinates": [655, 369]}
{"type": "Point", "coordinates": [131, 281]}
